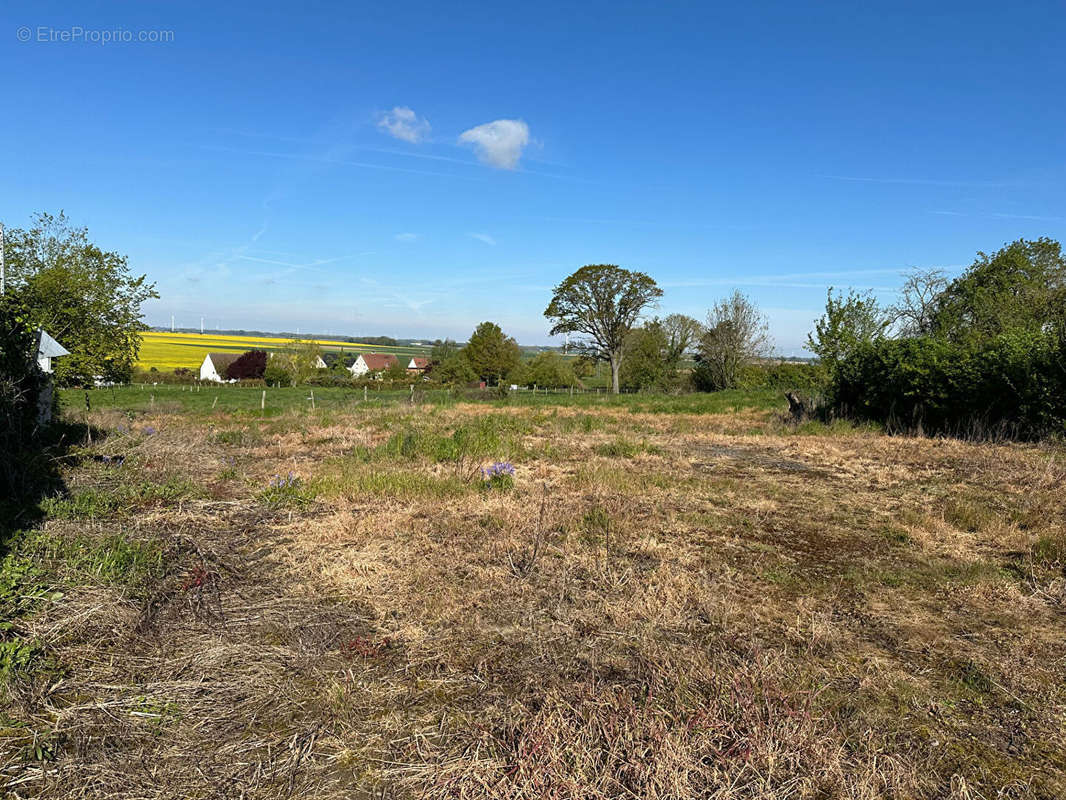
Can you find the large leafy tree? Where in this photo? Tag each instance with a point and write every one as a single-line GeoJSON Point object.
{"type": "Point", "coordinates": [300, 360]}
{"type": "Point", "coordinates": [682, 333]}
{"type": "Point", "coordinates": [454, 370]}
{"type": "Point", "coordinates": [491, 353]}
{"type": "Point", "coordinates": [601, 303]}
{"type": "Point", "coordinates": [736, 335]}
{"type": "Point", "coordinates": [443, 349]}
{"type": "Point", "coordinates": [548, 369]}
{"type": "Point", "coordinates": [648, 363]}
{"type": "Point", "coordinates": [250, 365]}
{"type": "Point", "coordinates": [84, 296]}
{"type": "Point", "coordinates": [1019, 288]}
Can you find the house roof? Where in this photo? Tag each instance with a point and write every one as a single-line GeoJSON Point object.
{"type": "Point", "coordinates": [375, 361]}
{"type": "Point", "coordinates": [47, 347]}
{"type": "Point", "coordinates": [418, 362]}
{"type": "Point", "coordinates": [223, 360]}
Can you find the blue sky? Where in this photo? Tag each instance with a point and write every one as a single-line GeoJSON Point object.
{"type": "Point", "coordinates": [415, 168]}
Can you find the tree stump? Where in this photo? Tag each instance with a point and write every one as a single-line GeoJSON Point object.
{"type": "Point", "coordinates": [796, 407]}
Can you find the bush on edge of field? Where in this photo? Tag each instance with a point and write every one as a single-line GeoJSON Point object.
{"type": "Point", "coordinates": [181, 375]}
{"type": "Point", "coordinates": [21, 383]}
{"type": "Point", "coordinates": [787, 376]}
{"type": "Point", "coordinates": [1013, 385]}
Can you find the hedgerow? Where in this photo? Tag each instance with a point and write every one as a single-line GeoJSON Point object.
{"type": "Point", "coordinates": [21, 383]}
{"type": "Point", "coordinates": [1014, 384]}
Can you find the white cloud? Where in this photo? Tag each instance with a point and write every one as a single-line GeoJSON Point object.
{"type": "Point", "coordinates": [403, 123]}
{"type": "Point", "coordinates": [498, 143]}
{"type": "Point", "coordinates": [482, 237]}
{"type": "Point", "coordinates": [406, 237]}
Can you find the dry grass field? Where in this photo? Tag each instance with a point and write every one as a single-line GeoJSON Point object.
{"type": "Point", "coordinates": [672, 605]}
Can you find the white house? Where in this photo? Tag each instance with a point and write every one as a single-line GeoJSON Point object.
{"type": "Point", "coordinates": [372, 362]}
{"type": "Point", "coordinates": [215, 366]}
{"type": "Point", "coordinates": [47, 349]}
{"type": "Point", "coordinates": [418, 365]}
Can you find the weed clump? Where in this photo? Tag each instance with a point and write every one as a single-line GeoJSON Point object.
{"type": "Point", "coordinates": [1050, 549]}
{"type": "Point", "coordinates": [624, 448]}
{"type": "Point", "coordinates": [97, 503]}
{"type": "Point", "coordinates": [287, 491]}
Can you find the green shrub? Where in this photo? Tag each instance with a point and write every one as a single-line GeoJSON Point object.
{"type": "Point", "coordinates": [181, 375]}
{"type": "Point", "coordinates": [21, 383]}
{"type": "Point", "coordinates": [786, 376]}
{"type": "Point", "coordinates": [342, 380]}
{"type": "Point", "coordinates": [1013, 384]}
{"type": "Point", "coordinates": [276, 375]}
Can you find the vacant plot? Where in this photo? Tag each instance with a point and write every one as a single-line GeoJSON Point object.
{"type": "Point", "coordinates": [659, 603]}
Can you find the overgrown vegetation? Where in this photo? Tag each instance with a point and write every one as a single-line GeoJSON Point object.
{"type": "Point", "coordinates": [984, 354]}
{"type": "Point", "coordinates": [21, 384]}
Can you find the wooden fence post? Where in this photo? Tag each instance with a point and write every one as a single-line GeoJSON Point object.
{"type": "Point", "coordinates": [263, 401]}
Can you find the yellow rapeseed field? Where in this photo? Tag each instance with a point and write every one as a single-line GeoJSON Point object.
{"type": "Point", "coordinates": [166, 351]}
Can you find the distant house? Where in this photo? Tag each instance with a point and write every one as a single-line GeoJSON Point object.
{"type": "Point", "coordinates": [215, 366]}
{"type": "Point", "coordinates": [418, 366]}
{"type": "Point", "coordinates": [372, 362]}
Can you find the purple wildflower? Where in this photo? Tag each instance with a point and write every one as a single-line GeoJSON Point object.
{"type": "Point", "coordinates": [287, 482]}
{"type": "Point", "coordinates": [500, 472]}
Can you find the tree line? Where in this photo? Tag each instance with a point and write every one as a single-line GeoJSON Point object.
{"type": "Point", "coordinates": [986, 347]}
